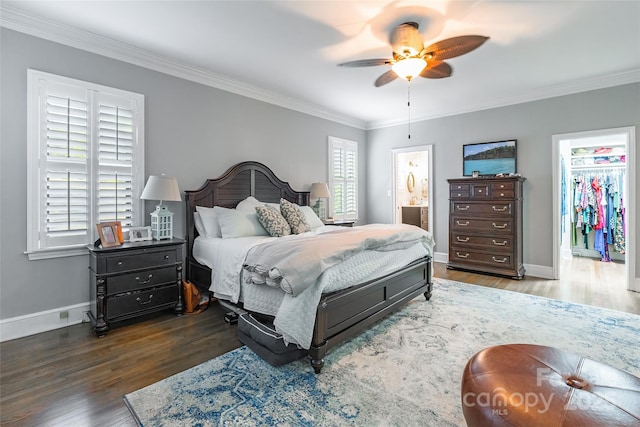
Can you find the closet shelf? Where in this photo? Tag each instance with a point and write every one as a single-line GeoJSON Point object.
{"type": "Point", "coordinates": [600, 166]}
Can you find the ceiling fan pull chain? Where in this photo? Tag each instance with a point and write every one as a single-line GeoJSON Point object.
{"type": "Point", "coordinates": [409, 107]}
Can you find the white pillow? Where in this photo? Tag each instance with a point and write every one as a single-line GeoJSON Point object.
{"type": "Point", "coordinates": [311, 218]}
{"type": "Point", "coordinates": [199, 224]}
{"type": "Point", "coordinates": [209, 221]}
{"type": "Point", "coordinates": [234, 223]}
{"type": "Point", "coordinates": [249, 204]}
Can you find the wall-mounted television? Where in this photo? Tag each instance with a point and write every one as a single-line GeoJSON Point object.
{"type": "Point", "coordinates": [489, 158]}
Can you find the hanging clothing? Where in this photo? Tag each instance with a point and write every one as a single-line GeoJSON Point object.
{"type": "Point", "coordinates": [598, 204]}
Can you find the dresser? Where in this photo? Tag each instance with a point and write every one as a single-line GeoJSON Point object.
{"type": "Point", "coordinates": [416, 215]}
{"type": "Point", "coordinates": [485, 225]}
{"type": "Point", "coordinates": [134, 279]}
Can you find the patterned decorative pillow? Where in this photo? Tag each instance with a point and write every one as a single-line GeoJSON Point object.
{"type": "Point", "coordinates": [294, 216]}
{"type": "Point", "coordinates": [272, 221]}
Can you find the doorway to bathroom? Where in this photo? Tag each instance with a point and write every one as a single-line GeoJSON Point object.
{"type": "Point", "coordinates": [412, 189]}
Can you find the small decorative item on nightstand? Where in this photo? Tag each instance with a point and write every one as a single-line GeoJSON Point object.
{"type": "Point", "coordinates": [161, 188]}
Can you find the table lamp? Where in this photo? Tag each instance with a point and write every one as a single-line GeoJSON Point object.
{"type": "Point", "coordinates": [161, 188]}
{"type": "Point", "coordinates": [320, 191]}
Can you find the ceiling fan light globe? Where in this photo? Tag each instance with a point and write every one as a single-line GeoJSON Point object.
{"type": "Point", "coordinates": [409, 68]}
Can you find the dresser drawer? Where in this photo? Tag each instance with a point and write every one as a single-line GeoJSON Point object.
{"type": "Point", "coordinates": [480, 191]}
{"type": "Point", "coordinates": [135, 302]}
{"type": "Point", "coordinates": [499, 260]}
{"type": "Point", "coordinates": [496, 225]}
{"type": "Point", "coordinates": [496, 208]}
{"type": "Point", "coordinates": [505, 185]}
{"type": "Point", "coordinates": [135, 260]}
{"type": "Point", "coordinates": [490, 244]}
{"type": "Point", "coordinates": [459, 194]}
{"type": "Point", "coordinates": [140, 280]}
{"type": "Point", "coordinates": [504, 194]}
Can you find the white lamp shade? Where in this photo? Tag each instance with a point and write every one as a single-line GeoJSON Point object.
{"type": "Point", "coordinates": [161, 188]}
{"type": "Point", "coordinates": [319, 190]}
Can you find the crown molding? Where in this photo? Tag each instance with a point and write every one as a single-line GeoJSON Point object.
{"type": "Point", "coordinates": [577, 86]}
{"type": "Point", "coordinates": [57, 32]}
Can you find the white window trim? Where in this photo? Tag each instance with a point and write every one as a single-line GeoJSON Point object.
{"type": "Point", "coordinates": [33, 163]}
{"type": "Point", "coordinates": [353, 146]}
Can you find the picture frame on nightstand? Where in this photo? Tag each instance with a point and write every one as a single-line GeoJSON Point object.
{"type": "Point", "coordinates": [139, 234]}
{"type": "Point", "coordinates": [109, 234]}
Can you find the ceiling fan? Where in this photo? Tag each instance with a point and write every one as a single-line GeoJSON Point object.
{"type": "Point", "coordinates": [411, 58]}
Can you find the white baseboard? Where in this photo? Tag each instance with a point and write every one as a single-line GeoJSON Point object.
{"type": "Point", "coordinates": [34, 323]}
{"type": "Point", "coordinates": [530, 270]}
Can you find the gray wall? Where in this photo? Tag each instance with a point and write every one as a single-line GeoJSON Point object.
{"type": "Point", "coordinates": [532, 124]}
{"type": "Point", "coordinates": [193, 132]}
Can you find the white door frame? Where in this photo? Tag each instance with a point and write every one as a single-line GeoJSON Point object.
{"type": "Point", "coordinates": [629, 191]}
{"type": "Point", "coordinates": [394, 154]}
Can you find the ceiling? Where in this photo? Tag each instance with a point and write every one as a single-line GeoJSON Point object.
{"type": "Point", "coordinates": [286, 52]}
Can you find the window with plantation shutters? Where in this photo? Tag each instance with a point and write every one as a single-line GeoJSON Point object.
{"type": "Point", "coordinates": [343, 179]}
{"type": "Point", "coordinates": [85, 162]}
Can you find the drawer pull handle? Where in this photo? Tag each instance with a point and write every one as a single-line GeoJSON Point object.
{"type": "Point", "coordinates": [501, 194]}
{"type": "Point", "coordinates": [459, 194]}
{"type": "Point", "coordinates": [460, 223]}
{"type": "Point", "coordinates": [500, 226]}
{"type": "Point", "coordinates": [504, 243]}
{"type": "Point", "coordinates": [466, 239]}
{"type": "Point", "coordinates": [120, 262]}
{"type": "Point", "coordinates": [459, 255]}
{"type": "Point", "coordinates": [459, 187]}
{"type": "Point", "coordinates": [504, 208]}
{"type": "Point", "coordinates": [460, 208]}
{"type": "Point", "coordinates": [166, 257]}
{"type": "Point", "coordinates": [144, 302]}
{"type": "Point", "coordinates": [502, 186]}
{"type": "Point", "coordinates": [503, 260]}
{"type": "Point", "coordinates": [144, 282]}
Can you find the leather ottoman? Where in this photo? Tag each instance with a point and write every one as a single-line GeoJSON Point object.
{"type": "Point", "coordinates": [532, 385]}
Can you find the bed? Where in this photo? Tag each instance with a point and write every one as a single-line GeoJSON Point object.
{"type": "Point", "coordinates": [339, 313]}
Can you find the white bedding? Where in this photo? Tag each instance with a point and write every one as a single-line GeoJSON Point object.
{"type": "Point", "coordinates": [294, 316]}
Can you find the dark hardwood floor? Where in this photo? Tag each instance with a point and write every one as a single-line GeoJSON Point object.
{"type": "Point", "coordinates": [69, 377]}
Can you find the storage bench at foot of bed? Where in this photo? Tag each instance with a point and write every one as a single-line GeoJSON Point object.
{"type": "Point", "coordinates": [344, 314]}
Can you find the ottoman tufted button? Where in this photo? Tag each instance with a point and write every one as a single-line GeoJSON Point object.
{"type": "Point", "coordinates": [575, 382]}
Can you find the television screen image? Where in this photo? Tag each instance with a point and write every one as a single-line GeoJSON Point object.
{"type": "Point", "coordinates": [489, 158]}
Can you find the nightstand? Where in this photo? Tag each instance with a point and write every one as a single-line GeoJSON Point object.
{"type": "Point", "coordinates": [134, 279]}
{"type": "Point", "coordinates": [342, 223]}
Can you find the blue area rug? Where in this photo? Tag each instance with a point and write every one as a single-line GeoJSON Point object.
{"type": "Point", "coordinates": [404, 371]}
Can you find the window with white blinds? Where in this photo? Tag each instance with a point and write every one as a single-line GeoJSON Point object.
{"type": "Point", "coordinates": [85, 161]}
{"type": "Point", "coordinates": [343, 178]}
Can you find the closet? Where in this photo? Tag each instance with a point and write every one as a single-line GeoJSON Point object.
{"type": "Point", "coordinates": [594, 203]}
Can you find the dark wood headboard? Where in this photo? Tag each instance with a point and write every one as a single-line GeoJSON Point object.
{"type": "Point", "coordinates": [236, 184]}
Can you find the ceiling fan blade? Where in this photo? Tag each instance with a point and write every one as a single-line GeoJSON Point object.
{"type": "Point", "coordinates": [366, 63]}
{"type": "Point", "coordinates": [436, 70]}
{"type": "Point", "coordinates": [450, 48]}
{"type": "Point", "coordinates": [385, 78]}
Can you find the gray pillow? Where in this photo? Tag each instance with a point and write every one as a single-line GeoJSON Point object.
{"type": "Point", "coordinates": [294, 216]}
{"type": "Point", "coordinates": [273, 221]}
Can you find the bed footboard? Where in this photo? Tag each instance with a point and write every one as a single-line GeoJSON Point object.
{"type": "Point", "coordinates": [344, 314]}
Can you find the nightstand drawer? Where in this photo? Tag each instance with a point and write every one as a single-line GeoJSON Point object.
{"type": "Point", "coordinates": [140, 280]}
{"type": "Point", "coordinates": [134, 261]}
{"type": "Point", "coordinates": [136, 302]}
